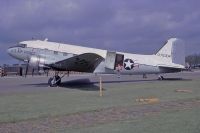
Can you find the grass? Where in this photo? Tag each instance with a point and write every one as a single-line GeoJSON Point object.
{"type": "Point", "coordinates": [187, 121]}
{"type": "Point", "coordinates": [36, 104]}
{"type": "Point", "coordinates": [15, 107]}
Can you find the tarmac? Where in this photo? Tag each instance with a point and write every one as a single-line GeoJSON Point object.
{"type": "Point", "coordinates": [15, 83]}
{"type": "Point", "coordinates": [128, 103]}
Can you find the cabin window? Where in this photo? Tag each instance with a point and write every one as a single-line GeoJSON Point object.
{"type": "Point", "coordinates": [55, 52]}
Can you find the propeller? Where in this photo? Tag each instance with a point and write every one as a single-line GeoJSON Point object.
{"type": "Point", "coordinates": [34, 62]}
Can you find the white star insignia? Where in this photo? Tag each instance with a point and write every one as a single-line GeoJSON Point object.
{"type": "Point", "coordinates": [128, 64]}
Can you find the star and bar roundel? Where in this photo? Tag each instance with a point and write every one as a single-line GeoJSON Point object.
{"type": "Point", "coordinates": [128, 64]}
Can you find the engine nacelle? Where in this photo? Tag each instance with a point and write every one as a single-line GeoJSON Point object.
{"type": "Point", "coordinates": [36, 61]}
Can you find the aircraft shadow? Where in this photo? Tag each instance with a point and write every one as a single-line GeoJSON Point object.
{"type": "Point", "coordinates": [176, 79]}
{"type": "Point", "coordinates": [87, 82]}
{"type": "Point", "coordinates": [94, 85]}
{"type": "Point", "coordinates": [81, 84]}
{"type": "Point", "coordinates": [87, 85]}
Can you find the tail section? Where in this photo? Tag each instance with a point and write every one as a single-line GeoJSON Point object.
{"type": "Point", "coordinates": [173, 51]}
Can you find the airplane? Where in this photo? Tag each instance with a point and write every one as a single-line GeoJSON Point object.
{"type": "Point", "coordinates": [66, 57]}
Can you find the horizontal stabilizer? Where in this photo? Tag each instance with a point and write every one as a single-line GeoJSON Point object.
{"type": "Point", "coordinates": [171, 66]}
{"type": "Point", "coordinates": [171, 69]}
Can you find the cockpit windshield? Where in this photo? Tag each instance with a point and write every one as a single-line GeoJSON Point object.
{"type": "Point", "coordinates": [19, 45]}
{"type": "Point", "coordinates": [22, 45]}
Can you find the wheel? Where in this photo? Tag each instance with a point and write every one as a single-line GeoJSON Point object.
{"type": "Point", "coordinates": [160, 77]}
{"type": "Point", "coordinates": [55, 81]}
{"type": "Point", "coordinates": [52, 82]}
{"type": "Point", "coordinates": [58, 80]}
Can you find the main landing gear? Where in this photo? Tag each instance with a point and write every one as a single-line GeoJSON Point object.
{"type": "Point", "coordinates": [55, 80]}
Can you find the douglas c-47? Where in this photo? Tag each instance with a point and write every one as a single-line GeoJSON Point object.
{"type": "Point", "coordinates": [66, 57]}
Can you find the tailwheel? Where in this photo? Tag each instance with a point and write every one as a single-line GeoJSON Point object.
{"type": "Point", "coordinates": [54, 81]}
{"type": "Point", "coordinates": [144, 76]}
{"type": "Point", "coordinates": [160, 77]}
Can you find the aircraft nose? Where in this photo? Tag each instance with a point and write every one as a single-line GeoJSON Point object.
{"type": "Point", "coordinates": [10, 51]}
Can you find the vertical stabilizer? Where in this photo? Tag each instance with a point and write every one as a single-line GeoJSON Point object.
{"type": "Point", "coordinates": [173, 51]}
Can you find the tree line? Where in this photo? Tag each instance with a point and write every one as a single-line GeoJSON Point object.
{"type": "Point", "coordinates": [193, 60]}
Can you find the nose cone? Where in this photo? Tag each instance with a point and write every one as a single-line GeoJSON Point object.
{"type": "Point", "coordinates": [11, 51]}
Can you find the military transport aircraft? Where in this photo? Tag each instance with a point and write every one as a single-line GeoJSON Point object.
{"type": "Point", "coordinates": [66, 57]}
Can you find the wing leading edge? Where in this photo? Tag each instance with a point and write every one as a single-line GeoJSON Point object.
{"type": "Point", "coordinates": [86, 62]}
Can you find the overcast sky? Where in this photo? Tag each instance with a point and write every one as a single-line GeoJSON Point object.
{"type": "Point", "coordinates": [135, 26]}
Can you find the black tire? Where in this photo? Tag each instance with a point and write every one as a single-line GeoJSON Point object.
{"type": "Point", "coordinates": [50, 83]}
{"type": "Point", "coordinates": [160, 78]}
{"type": "Point", "coordinates": [58, 79]}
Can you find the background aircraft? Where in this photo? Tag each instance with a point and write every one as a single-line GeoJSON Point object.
{"type": "Point", "coordinates": [65, 57]}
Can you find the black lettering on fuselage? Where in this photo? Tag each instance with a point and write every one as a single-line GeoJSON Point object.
{"type": "Point", "coordinates": [164, 55]}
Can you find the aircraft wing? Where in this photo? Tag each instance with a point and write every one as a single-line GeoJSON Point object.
{"type": "Point", "coordinates": [86, 62]}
